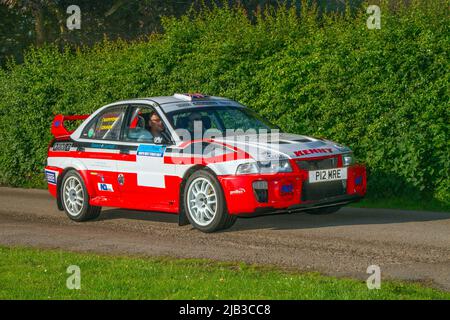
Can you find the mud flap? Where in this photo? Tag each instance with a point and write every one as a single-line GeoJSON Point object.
{"type": "Point", "coordinates": [182, 218]}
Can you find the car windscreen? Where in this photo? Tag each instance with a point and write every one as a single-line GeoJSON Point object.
{"type": "Point", "coordinates": [223, 118]}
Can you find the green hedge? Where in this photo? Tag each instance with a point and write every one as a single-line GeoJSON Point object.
{"type": "Point", "coordinates": [385, 93]}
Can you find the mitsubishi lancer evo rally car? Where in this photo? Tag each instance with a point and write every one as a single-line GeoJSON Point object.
{"type": "Point", "coordinates": [207, 159]}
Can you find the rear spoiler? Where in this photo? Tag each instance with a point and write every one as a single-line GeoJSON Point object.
{"type": "Point", "coordinates": [58, 129]}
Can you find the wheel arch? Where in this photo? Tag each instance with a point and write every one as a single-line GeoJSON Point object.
{"type": "Point", "coordinates": [60, 179]}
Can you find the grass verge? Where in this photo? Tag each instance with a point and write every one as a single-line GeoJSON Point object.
{"type": "Point", "coordinates": [403, 203]}
{"type": "Point", "coordinates": [41, 274]}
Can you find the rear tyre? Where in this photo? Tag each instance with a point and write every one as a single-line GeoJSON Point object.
{"type": "Point", "coordinates": [327, 210]}
{"type": "Point", "coordinates": [75, 198]}
{"type": "Point", "coordinates": [204, 203]}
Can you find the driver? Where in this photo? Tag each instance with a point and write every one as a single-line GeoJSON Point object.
{"type": "Point", "coordinates": [156, 130]}
{"type": "Point", "coordinates": [156, 125]}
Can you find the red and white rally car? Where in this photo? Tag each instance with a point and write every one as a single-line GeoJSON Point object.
{"type": "Point", "coordinates": [212, 161]}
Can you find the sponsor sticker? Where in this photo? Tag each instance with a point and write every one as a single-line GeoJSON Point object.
{"type": "Point", "coordinates": [108, 122]}
{"type": "Point", "coordinates": [110, 119]}
{"type": "Point", "coordinates": [121, 179]}
{"type": "Point", "coordinates": [151, 150]}
{"type": "Point", "coordinates": [51, 176]}
{"type": "Point", "coordinates": [287, 188]}
{"type": "Point", "coordinates": [157, 139]}
{"type": "Point", "coordinates": [102, 146]}
{"type": "Point", "coordinates": [237, 191]}
{"type": "Point", "coordinates": [62, 146]}
{"type": "Point", "coordinates": [90, 133]}
{"type": "Point", "coordinates": [105, 187]}
{"type": "Point", "coordinates": [312, 151]}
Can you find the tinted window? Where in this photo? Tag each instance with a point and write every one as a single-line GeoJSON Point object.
{"type": "Point", "coordinates": [107, 125]}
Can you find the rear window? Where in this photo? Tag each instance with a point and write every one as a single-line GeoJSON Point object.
{"type": "Point", "coordinates": [106, 126]}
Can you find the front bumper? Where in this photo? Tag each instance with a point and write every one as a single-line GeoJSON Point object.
{"type": "Point", "coordinates": [329, 202]}
{"type": "Point", "coordinates": [242, 200]}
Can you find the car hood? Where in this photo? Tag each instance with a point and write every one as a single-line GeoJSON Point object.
{"type": "Point", "coordinates": [273, 146]}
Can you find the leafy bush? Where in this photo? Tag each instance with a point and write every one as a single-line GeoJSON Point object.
{"type": "Point", "coordinates": [383, 92]}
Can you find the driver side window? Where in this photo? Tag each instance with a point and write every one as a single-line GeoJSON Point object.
{"type": "Point", "coordinates": [145, 125]}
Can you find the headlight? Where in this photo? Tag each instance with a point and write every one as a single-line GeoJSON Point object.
{"type": "Point", "coordinates": [272, 166]}
{"type": "Point", "coordinates": [348, 159]}
{"type": "Point", "coordinates": [247, 168]}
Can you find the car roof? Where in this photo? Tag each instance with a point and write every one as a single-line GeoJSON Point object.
{"type": "Point", "coordinates": [183, 101]}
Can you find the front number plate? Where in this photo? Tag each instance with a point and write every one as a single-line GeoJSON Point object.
{"type": "Point", "coordinates": [327, 175]}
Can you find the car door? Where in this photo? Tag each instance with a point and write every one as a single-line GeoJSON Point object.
{"type": "Point", "coordinates": [98, 150]}
{"type": "Point", "coordinates": [145, 179]}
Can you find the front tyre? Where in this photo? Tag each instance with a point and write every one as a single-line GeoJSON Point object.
{"type": "Point", "coordinates": [205, 203]}
{"type": "Point", "coordinates": [75, 198]}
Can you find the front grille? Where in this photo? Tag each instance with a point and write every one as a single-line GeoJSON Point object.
{"type": "Point", "coordinates": [321, 164]}
{"type": "Point", "coordinates": [323, 190]}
